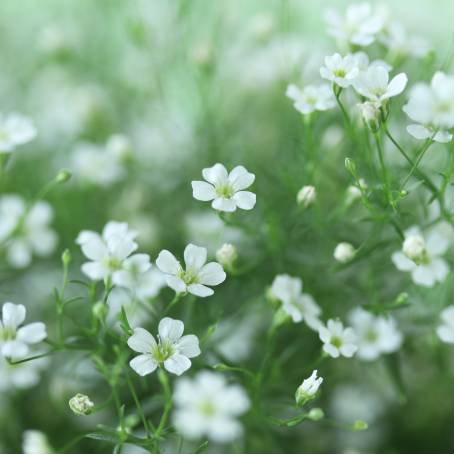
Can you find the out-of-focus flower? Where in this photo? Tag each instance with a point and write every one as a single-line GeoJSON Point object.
{"type": "Point", "coordinates": [173, 350]}
{"type": "Point", "coordinates": [311, 98]}
{"type": "Point", "coordinates": [308, 389]}
{"type": "Point", "coordinates": [131, 271]}
{"type": "Point", "coordinates": [197, 275]}
{"type": "Point", "coordinates": [344, 252]}
{"type": "Point", "coordinates": [414, 247]}
{"type": "Point", "coordinates": [227, 254]}
{"type": "Point", "coordinates": [15, 341]}
{"type": "Point", "coordinates": [432, 268]}
{"type": "Point", "coordinates": [226, 190]}
{"type": "Point", "coordinates": [306, 196]}
{"type": "Point", "coordinates": [374, 335]}
{"type": "Point", "coordinates": [20, 376]}
{"type": "Point", "coordinates": [81, 405]}
{"type": "Point", "coordinates": [340, 70]}
{"type": "Point", "coordinates": [359, 26]}
{"type": "Point", "coordinates": [208, 406]}
{"type": "Point", "coordinates": [432, 108]}
{"type": "Point", "coordinates": [15, 129]}
{"type": "Point", "coordinates": [338, 340]}
{"type": "Point", "coordinates": [35, 442]}
{"type": "Point", "coordinates": [445, 331]}
{"type": "Point", "coordinates": [25, 230]}
{"type": "Point", "coordinates": [299, 306]}
{"type": "Point", "coordinates": [370, 113]}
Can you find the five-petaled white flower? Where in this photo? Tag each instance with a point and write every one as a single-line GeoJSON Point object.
{"type": "Point", "coordinates": [299, 306]}
{"type": "Point", "coordinates": [430, 267]}
{"type": "Point", "coordinates": [445, 331]}
{"type": "Point", "coordinates": [311, 98]}
{"type": "Point", "coordinates": [308, 389]}
{"type": "Point", "coordinates": [15, 129]}
{"type": "Point", "coordinates": [226, 190]}
{"type": "Point", "coordinates": [374, 334]}
{"type": "Point", "coordinates": [340, 70]}
{"type": "Point", "coordinates": [338, 340]}
{"type": "Point", "coordinates": [432, 108]}
{"type": "Point", "coordinates": [208, 406]}
{"type": "Point", "coordinates": [15, 341]}
{"type": "Point", "coordinates": [375, 85]}
{"type": "Point", "coordinates": [197, 274]}
{"type": "Point", "coordinates": [172, 350]}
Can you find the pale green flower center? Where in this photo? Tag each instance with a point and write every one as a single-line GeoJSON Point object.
{"type": "Point", "coordinates": [207, 408]}
{"type": "Point", "coordinates": [7, 333]}
{"type": "Point", "coordinates": [189, 276]}
{"type": "Point", "coordinates": [163, 351]}
{"type": "Point", "coordinates": [112, 263]}
{"type": "Point", "coordinates": [339, 72]}
{"type": "Point", "coordinates": [336, 341]}
{"type": "Point", "coordinates": [371, 335]}
{"type": "Point", "coordinates": [225, 191]}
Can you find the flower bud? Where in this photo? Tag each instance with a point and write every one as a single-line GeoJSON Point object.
{"type": "Point", "coordinates": [414, 248]}
{"type": "Point", "coordinates": [308, 389]}
{"type": "Point", "coordinates": [370, 113]}
{"type": "Point", "coordinates": [350, 166]}
{"type": "Point", "coordinates": [360, 425]}
{"type": "Point", "coordinates": [315, 414]}
{"type": "Point", "coordinates": [306, 196]}
{"type": "Point", "coordinates": [63, 176]}
{"type": "Point", "coordinates": [226, 255]}
{"type": "Point", "coordinates": [344, 252]}
{"type": "Point", "coordinates": [100, 310]}
{"type": "Point", "coordinates": [66, 257]}
{"type": "Point", "coordinates": [81, 405]}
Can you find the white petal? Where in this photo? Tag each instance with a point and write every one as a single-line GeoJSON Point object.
{"type": "Point", "coordinates": [194, 256]}
{"type": "Point", "coordinates": [245, 200]}
{"type": "Point", "coordinates": [397, 85]}
{"type": "Point", "coordinates": [176, 284]}
{"type": "Point", "coordinates": [189, 346]}
{"type": "Point", "coordinates": [331, 350]}
{"type": "Point", "coordinates": [216, 175]}
{"type": "Point", "coordinates": [402, 262]}
{"type": "Point", "coordinates": [222, 204]}
{"type": "Point", "coordinates": [19, 254]}
{"type": "Point", "coordinates": [143, 364]}
{"type": "Point", "coordinates": [32, 333]}
{"type": "Point", "coordinates": [96, 271]}
{"type": "Point", "coordinates": [170, 329]}
{"type": "Point", "coordinates": [440, 269]}
{"type": "Point", "coordinates": [121, 247]}
{"type": "Point", "coordinates": [212, 274]}
{"type": "Point", "coordinates": [13, 315]}
{"type": "Point", "coordinates": [200, 290]}
{"type": "Point", "coordinates": [177, 364]}
{"type": "Point", "coordinates": [348, 350]}
{"type": "Point", "coordinates": [94, 249]}
{"type": "Point", "coordinates": [14, 349]}
{"type": "Point", "coordinates": [446, 334]}
{"type": "Point", "coordinates": [423, 275]}
{"type": "Point", "coordinates": [240, 178]}
{"type": "Point", "coordinates": [419, 132]}
{"type": "Point", "coordinates": [142, 341]}
{"type": "Point", "coordinates": [203, 191]}
{"type": "Point", "coordinates": [167, 262]}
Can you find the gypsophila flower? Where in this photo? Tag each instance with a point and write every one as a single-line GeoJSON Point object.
{"type": "Point", "coordinates": [15, 129]}
{"type": "Point", "coordinates": [20, 376]}
{"type": "Point", "coordinates": [172, 350]}
{"type": "Point", "coordinates": [308, 389]}
{"type": "Point", "coordinates": [445, 331]}
{"type": "Point", "coordinates": [35, 442]}
{"type": "Point", "coordinates": [340, 70]}
{"type": "Point", "coordinates": [299, 306]}
{"type": "Point", "coordinates": [431, 267]}
{"type": "Point", "coordinates": [375, 335]}
{"type": "Point", "coordinates": [344, 252]}
{"type": "Point", "coordinates": [197, 275]}
{"type": "Point", "coordinates": [15, 340]}
{"type": "Point", "coordinates": [208, 406]}
{"type": "Point", "coordinates": [226, 190]}
{"type": "Point", "coordinates": [311, 98]}
{"type": "Point", "coordinates": [338, 340]}
{"type": "Point", "coordinates": [414, 247]}
{"type": "Point", "coordinates": [81, 405]}
{"type": "Point", "coordinates": [370, 113]}
{"type": "Point", "coordinates": [306, 196]}
{"type": "Point", "coordinates": [227, 254]}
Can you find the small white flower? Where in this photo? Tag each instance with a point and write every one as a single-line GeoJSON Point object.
{"type": "Point", "coordinates": [445, 331]}
{"type": "Point", "coordinates": [311, 98]}
{"type": "Point", "coordinates": [35, 442]}
{"type": "Point", "coordinates": [432, 108]}
{"type": "Point", "coordinates": [20, 376]}
{"type": "Point", "coordinates": [414, 247]}
{"type": "Point", "coordinates": [374, 334]}
{"type": "Point", "coordinates": [15, 129]}
{"type": "Point", "coordinates": [109, 253]}
{"type": "Point", "coordinates": [208, 406]}
{"type": "Point", "coordinates": [432, 267]}
{"type": "Point", "coordinates": [344, 252]}
{"type": "Point", "coordinates": [299, 306]}
{"type": "Point", "coordinates": [15, 341]}
{"type": "Point", "coordinates": [81, 405]}
{"type": "Point", "coordinates": [340, 70]}
{"type": "Point", "coordinates": [306, 196]}
{"type": "Point", "coordinates": [375, 85]}
{"type": "Point", "coordinates": [308, 389]}
{"type": "Point", "coordinates": [227, 254]}
{"type": "Point", "coordinates": [197, 275]}
{"type": "Point", "coordinates": [226, 190]}
{"type": "Point", "coordinates": [172, 350]}
{"type": "Point", "coordinates": [370, 113]}
{"type": "Point", "coordinates": [338, 340]}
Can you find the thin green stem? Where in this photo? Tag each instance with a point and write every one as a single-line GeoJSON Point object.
{"type": "Point", "coordinates": [384, 171]}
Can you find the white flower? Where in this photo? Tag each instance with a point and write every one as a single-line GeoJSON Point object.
{"type": "Point", "coordinates": [340, 70]}
{"type": "Point", "coordinates": [208, 406]}
{"type": "Point", "coordinates": [227, 254]}
{"type": "Point", "coordinates": [338, 340]}
{"type": "Point", "coordinates": [374, 84]}
{"type": "Point", "coordinates": [344, 252]}
{"type": "Point", "coordinates": [432, 108]}
{"type": "Point", "coordinates": [370, 113]}
{"type": "Point", "coordinates": [225, 189]}
{"type": "Point", "coordinates": [81, 405]}
{"type": "Point", "coordinates": [131, 271]}
{"type": "Point", "coordinates": [396, 39]}
{"type": "Point", "coordinates": [432, 268]}
{"type": "Point", "coordinates": [445, 331]}
{"type": "Point", "coordinates": [26, 231]}
{"type": "Point", "coordinates": [374, 334]}
{"type": "Point", "coordinates": [20, 376]}
{"type": "Point", "coordinates": [414, 247]}
{"type": "Point", "coordinates": [197, 274]}
{"type": "Point", "coordinates": [109, 253]}
{"type": "Point", "coordinates": [311, 98]}
{"type": "Point", "coordinates": [308, 389]}
{"type": "Point", "coordinates": [306, 196]}
{"type": "Point", "coordinates": [15, 341]}
{"type": "Point", "coordinates": [299, 306]}
{"type": "Point", "coordinates": [359, 26]}
{"type": "Point", "coordinates": [172, 350]}
{"type": "Point", "coordinates": [15, 129]}
{"type": "Point", "coordinates": [35, 442]}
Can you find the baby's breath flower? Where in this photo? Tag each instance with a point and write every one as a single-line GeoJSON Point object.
{"type": "Point", "coordinates": [344, 252]}
{"type": "Point", "coordinates": [370, 113]}
{"type": "Point", "coordinates": [15, 129]}
{"type": "Point", "coordinates": [445, 331]}
{"type": "Point", "coordinates": [35, 442]}
{"type": "Point", "coordinates": [414, 247]}
{"type": "Point", "coordinates": [306, 196]}
{"type": "Point", "coordinates": [338, 340]}
{"type": "Point", "coordinates": [340, 70]}
{"type": "Point", "coordinates": [226, 255]}
{"type": "Point", "coordinates": [308, 389]}
{"type": "Point", "coordinates": [311, 98]}
{"type": "Point", "coordinates": [81, 404]}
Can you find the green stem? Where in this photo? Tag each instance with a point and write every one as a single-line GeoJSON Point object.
{"type": "Point", "coordinates": [138, 405]}
{"type": "Point", "coordinates": [384, 171]}
{"type": "Point", "coordinates": [164, 379]}
{"type": "Point", "coordinates": [416, 163]}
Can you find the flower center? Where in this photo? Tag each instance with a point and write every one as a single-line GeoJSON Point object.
{"type": "Point", "coordinates": [7, 333]}
{"type": "Point", "coordinates": [339, 72]}
{"type": "Point", "coordinates": [225, 191]}
{"type": "Point", "coordinates": [371, 336]}
{"type": "Point", "coordinates": [164, 350]}
{"type": "Point", "coordinates": [207, 408]}
{"type": "Point", "coordinates": [112, 263]}
{"type": "Point", "coordinates": [189, 276]}
{"type": "Point", "coordinates": [336, 341]}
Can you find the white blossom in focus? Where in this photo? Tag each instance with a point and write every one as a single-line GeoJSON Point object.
{"type": "Point", "coordinates": [338, 340]}
{"type": "Point", "coordinates": [340, 70]}
{"type": "Point", "coordinates": [445, 331]}
{"type": "Point", "coordinates": [311, 98]}
{"type": "Point", "coordinates": [15, 129]}
{"type": "Point", "coordinates": [308, 389]}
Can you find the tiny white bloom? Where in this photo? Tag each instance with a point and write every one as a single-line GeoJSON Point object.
{"type": "Point", "coordinates": [227, 254]}
{"type": "Point", "coordinates": [197, 275]}
{"type": "Point", "coordinates": [431, 267]}
{"type": "Point", "coordinates": [344, 252]}
{"type": "Point", "coordinates": [208, 406]}
{"type": "Point", "coordinates": [445, 331]}
{"type": "Point", "coordinates": [340, 70]}
{"type": "Point", "coordinates": [15, 340]}
{"type": "Point", "coordinates": [311, 98]}
{"type": "Point", "coordinates": [374, 334]}
{"type": "Point", "coordinates": [414, 247]}
{"type": "Point", "coordinates": [299, 306]}
{"type": "Point", "coordinates": [35, 442]}
{"type": "Point", "coordinates": [338, 340]}
{"type": "Point", "coordinates": [20, 376]}
{"type": "Point", "coordinates": [81, 405]}
{"type": "Point", "coordinates": [308, 389]}
{"type": "Point", "coordinates": [172, 350]}
{"type": "Point", "coordinates": [371, 115]}
{"type": "Point", "coordinates": [306, 196]}
{"type": "Point", "coordinates": [226, 190]}
{"type": "Point", "coordinates": [15, 129]}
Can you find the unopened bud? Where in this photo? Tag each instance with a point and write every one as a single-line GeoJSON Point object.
{"type": "Point", "coordinates": [350, 166]}
{"type": "Point", "coordinates": [316, 414]}
{"type": "Point", "coordinates": [360, 425]}
{"type": "Point", "coordinates": [100, 310]}
{"type": "Point", "coordinates": [66, 257]}
{"type": "Point", "coordinates": [81, 405]}
{"type": "Point", "coordinates": [308, 389]}
{"type": "Point", "coordinates": [63, 176]}
{"type": "Point", "coordinates": [226, 255]}
{"type": "Point", "coordinates": [306, 196]}
{"type": "Point", "coordinates": [344, 252]}
{"type": "Point", "coordinates": [414, 248]}
{"type": "Point", "coordinates": [370, 113]}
